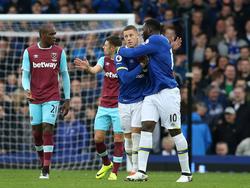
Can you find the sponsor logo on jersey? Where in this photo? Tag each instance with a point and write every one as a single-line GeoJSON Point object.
{"type": "Point", "coordinates": [35, 56]}
{"type": "Point", "coordinates": [111, 75]}
{"type": "Point", "coordinates": [140, 76]}
{"type": "Point", "coordinates": [44, 65]}
{"type": "Point", "coordinates": [54, 57]}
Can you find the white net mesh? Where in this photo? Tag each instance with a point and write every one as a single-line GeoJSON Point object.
{"type": "Point", "coordinates": [74, 146]}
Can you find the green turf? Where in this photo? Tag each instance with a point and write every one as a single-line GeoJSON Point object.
{"type": "Point", "coordinates": [86, 179]}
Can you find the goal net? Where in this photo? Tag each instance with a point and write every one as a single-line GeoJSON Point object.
{"type": "Point", "coordinates": [80, 36]}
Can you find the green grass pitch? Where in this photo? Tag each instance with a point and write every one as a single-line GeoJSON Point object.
{"type": "Point", "coordinates": [86, 179]}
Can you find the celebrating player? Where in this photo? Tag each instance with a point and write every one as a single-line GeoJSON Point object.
{"type": "Point", "coordinates": [162, 98]}
{"type": "Point", "coordinates": [41, 65]}
{"type": "Point", "coordinates": [107, 113]}
{"type": "Point", "coordinates": [132, 83]}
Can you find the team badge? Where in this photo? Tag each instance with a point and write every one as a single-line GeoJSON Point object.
{"type": "Point", "coordinates": [118, 58]}
{"type": "Point", "coordinates": [54, 57]}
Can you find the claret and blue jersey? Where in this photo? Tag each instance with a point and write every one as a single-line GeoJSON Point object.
{"type": "Point", "coordinates": [160, 67]}
{"type": "Point", "coordinates": [132, 79]}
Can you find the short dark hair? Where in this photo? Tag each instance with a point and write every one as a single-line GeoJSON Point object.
{"type": "Point", "coordinates": [129, 27]}
{"type": "Point", "coordinates": [153, 24]}
{"type": "Point", "coordinates": [114, 40]}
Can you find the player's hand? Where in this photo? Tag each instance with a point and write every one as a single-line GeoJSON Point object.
{"type": "Point", "coordinates": [143, 61]}
{"type": "Point", "coordinates": [176, 44]}
{"type": "Point", "coordinates": [65, 107]}
{"type": "Point", "coordinates": [29, 96]}
{"type": "Point", "coordinates": [81, 64]}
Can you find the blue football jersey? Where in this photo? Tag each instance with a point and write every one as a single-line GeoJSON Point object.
{"type": "Point", "coordinates": [132, 79]}
{"type": "Point", "coordinates": [161, 63]}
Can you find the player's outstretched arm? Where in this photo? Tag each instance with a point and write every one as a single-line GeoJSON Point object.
{"type": "Point", "coordinates": [148, 47]}
{"type": "Point", "coordinates": [84, 65]}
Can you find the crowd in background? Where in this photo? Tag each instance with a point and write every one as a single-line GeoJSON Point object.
{"type": "Point", "coordinates": [220, 83]}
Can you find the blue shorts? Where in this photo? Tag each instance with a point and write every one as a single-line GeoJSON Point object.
{"type": "Point", "coordinates": [105, 117]}
{"type": "Point", "coordinates": [44, 113]}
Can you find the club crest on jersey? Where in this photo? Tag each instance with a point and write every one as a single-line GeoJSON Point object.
{"type": "Point", "coordinates": [118, 58]}
{"type": "Point", "coordinates": [54, 57]}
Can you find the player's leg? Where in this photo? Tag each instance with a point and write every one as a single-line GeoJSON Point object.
{"type": "Point", "coordinates": [49, 114]}
{"type": "Point", "coordinates": [171, 119]}
{"type": "Point", "coordinates": [125, 116]}
{"type": "Point", "coordinates": [149, 117]}
{"type": "Point", "coordinates": [118, 143]}
{"type": "Point", "coordinates": [101, 125]}
{"type": "Point", "coordinates": [136, 133]}
{"type": "Point", "coordinates": [37, 130]}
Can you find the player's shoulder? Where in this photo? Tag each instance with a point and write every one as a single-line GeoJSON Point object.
{"type": "Point", "coordinates": [57, 47]}
{"type": "Point", "coordinates": [32, 47]}
{"type": "Point", "coordinates": [156, 38]}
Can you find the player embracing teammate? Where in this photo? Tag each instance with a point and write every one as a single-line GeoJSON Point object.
{"type": "Point", "coordinates": [162, 98]}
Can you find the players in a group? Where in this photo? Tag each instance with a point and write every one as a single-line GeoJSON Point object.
{"type": "Point", "coordinates": [162, 98]}
{"type": "Point", "coordinates": [132, 83]}
{"type": "Point", "coordinates": [42, 63]}
{"type": "Point", "coordinates": [107, 113]}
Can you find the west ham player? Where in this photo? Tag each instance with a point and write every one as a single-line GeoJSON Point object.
{"type": "Point", "coordinates": [107, 113]}
{"type": "Point", "coordinates": [132, 83]}
{"type": "Point", "coordinates": [162, 98]}
{"type": "Point", "coordinates": [42, 63]}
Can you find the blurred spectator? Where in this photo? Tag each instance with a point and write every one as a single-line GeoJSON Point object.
{"type": "Point", "coordinates": [241, 14]}
{"type": "Point", "coordinates": [243, 149]}
{"type": "Point", "coordinates": [244, 69]}
{"type": "Point", "coordinates": [245, 53]}
{"type": "Point", "coordinates": [226, 130]}
{"type": "Point", "coordinates": [47, 7]}
{"type": "Point", "coordinates": [102, 6]}
{"type": "Point", "coordinates": [201, 136]}
{"type": "Point", "coordinates": [215, 102]}
{"type": "Point", "coordinates": [71, 136]}
{"type": "Point", "coordinates": [242, 111]}
{"type": "Point", "coordinates": [209, 63]}
{"type": "Point", "coordinates": [11, 85]}
{"type": "Point", "coordinates": [220, 29]}
{"type": "Point", "coordinates": [230, 78]}
{"type": "Point", "coordinates": [221, 63]}
{"type": "Point", "coordinates": [76, 107]}
{"type": "Point", "coordinates": [199, 49]}
{"type": "Point", "coordinates": [168, 146]}
{"type": "Point", "coordinates": [230, 45]}
{"type": "Point", "coordinates": [221, 149]}
{"type": "Point", "coordinates": [76, 88]}
{"type": "Point", "coordinates": [37, 8]}
{"type": "Point", "coordinates": [198, 84]}
{"type": "Point", "coordinates": [247, 32]}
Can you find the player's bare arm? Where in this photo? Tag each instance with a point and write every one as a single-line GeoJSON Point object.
{"type": "Point", "coordinates": [84, 65]}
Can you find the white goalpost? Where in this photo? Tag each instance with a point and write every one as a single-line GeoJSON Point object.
{"type": "Point", "coordinates": [81, 35]}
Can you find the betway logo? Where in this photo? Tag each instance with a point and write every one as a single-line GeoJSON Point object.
{"type": "Point", "coordinates": [44, 65]}
{"type": "Point", "coordinates": [111, 75]}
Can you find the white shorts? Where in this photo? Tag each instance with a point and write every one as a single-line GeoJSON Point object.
{"type": "Point", "coordinates": [164, 105]}
{"type": "Point", "coordinates": [130, 115]}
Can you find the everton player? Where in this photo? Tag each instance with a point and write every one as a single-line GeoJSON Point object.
{"type": "Point", "coordinates": [42, 63]}
{"type": "Point", "coordinates": [107, 113]}
{"type": "Point", "coordinates": [132, 83]}
{"type": "Point", "coordinates": [162, 98]}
